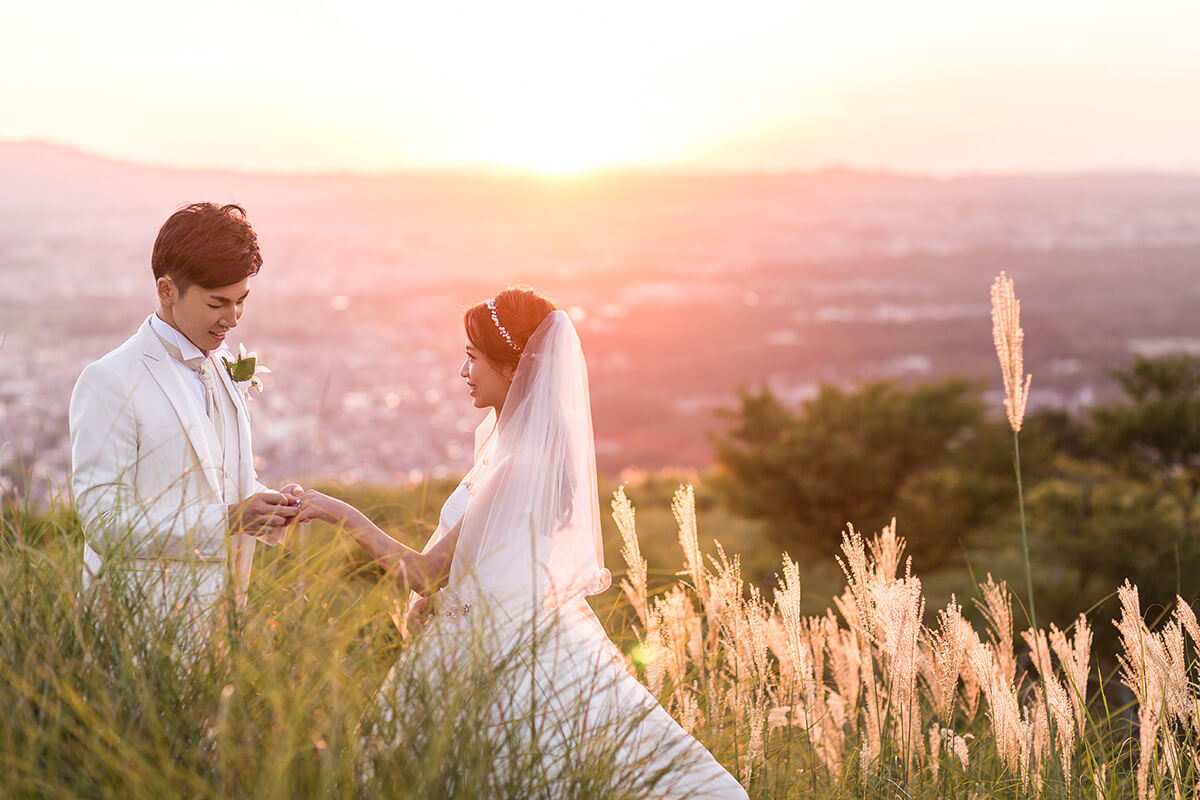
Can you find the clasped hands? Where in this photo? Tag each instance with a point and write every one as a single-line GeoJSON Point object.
{"type": "Point", "coordinates": [267, 516]}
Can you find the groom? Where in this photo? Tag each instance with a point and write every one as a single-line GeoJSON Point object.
{"type": "Point", "coordinates": [162, 467]}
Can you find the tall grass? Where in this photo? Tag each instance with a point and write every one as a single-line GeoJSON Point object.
{"type": "Point", "coordinates": [291, 699]}
{"type": "Point", "coordinates": [869, 699]}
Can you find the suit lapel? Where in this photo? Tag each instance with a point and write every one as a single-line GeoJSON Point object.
{"type": "Point", "coordinates": [239, 438]}
{"type": "Point", "coordinates": [166, 374]}
{"type": "Point", "coordinates": [242, 545]}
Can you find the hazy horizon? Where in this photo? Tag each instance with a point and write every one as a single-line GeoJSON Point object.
{"type": "Point", "coordinates": [500, 172]}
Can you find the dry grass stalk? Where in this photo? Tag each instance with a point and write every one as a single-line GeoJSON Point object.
{"type": "Point", "coordinates": [1037, 739]}
{"type": "Point", "coordinates": [1075, 657]}
{"type": "Point", "coordinates": [1057, 698]}
{"type": "Point", "coordinates": [654, 652]}
{"type": "Point", "coordinates": [1009, 340]}
{"type": "Point", "coordinates": [972, 685]}
{"type": "Point", "coordinates": [935, 746]}
{"type": "Point", "coordinates": [744, 640]}
{"type": "Point", "coordinates": [757, 741]}
{"type": "Point", "coordinates": [724, 611]}
{"type": "Point", "coordinates": [756, 612]}
{"type": "Point", "coordinates": [1175, 677]}
{"type": "Point", "coordinates": [683, 505]}
{"type": "Point", "coordinates": [680, 632]}
{"type": "Point", "coordinates": [886, 550]}
{"type": "Point", "coordinates": [886, 611]}
{"type": "Point", "coordinates": [826, 720]}
{"type": "Point", "coordinates": [859, 580]}
{"type": "Point", "coordinates": [902, 607]}
{"type": "Point", "coordinates": [791, 650]}
{"type": "Point", "coordinates": [690, 717]}
{"type": "Point", "coordinates": [946, 655]}
{"type": "Point", "coordinates": [997, 611]}
{"type": "Point", "coordinates": [634, 585]}
{"type": "Point", "coordinates": [1187, 618]}
{"type": "Point", "coordinates": [845, 664]}
{"type": "Point", "coordinates": [1100, 781]}
{"type": "Point", "coordinates": [960, 749]}
{"type": "Point", "coordinates": [1142, 662]}
{"type": "Point", "coordinates": [946, 739]}
{"type": "Point", "coordinates": [873, 742]}
{"type": "Point", "coordinates": [1004, 710]}
{"type": "Point", "coordinates": [800, 647]}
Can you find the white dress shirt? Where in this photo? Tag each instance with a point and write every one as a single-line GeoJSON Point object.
{"type": "Point", "coordinates": [191, 378]}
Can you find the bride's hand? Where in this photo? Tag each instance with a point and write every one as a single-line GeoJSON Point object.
{"type": "Point", "coordinates": [419, 613]}
{"type": "Point", "coordinates": [314, 505]}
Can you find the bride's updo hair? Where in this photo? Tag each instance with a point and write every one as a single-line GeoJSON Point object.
{"type": "Point", "coordinates": [518, 312]}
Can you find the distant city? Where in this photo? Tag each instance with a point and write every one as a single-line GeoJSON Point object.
{"type": "Point", "coordinates": [684, 288]}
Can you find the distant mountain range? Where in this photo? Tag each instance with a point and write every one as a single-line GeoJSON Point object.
{"type": "Point", "coordinates": [45, 166]}
{"type": "Point", "coordinates": [423, 227]}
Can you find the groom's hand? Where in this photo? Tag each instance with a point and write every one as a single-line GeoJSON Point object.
{"type": "Point", "coordinates": [264, 515]}
{"type": "Point", "coordinates": [277, 534]}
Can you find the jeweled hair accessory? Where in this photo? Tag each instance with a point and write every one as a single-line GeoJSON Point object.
{"type": "Point", "coordinates": [491, 304]}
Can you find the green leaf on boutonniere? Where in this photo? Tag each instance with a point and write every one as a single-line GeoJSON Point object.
{"type": "Point", "coordinates": [240, 370]}
{"type": "Point", "coordinates": [246, 369]}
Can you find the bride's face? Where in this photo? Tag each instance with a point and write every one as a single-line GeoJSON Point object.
{"type": "Point", "coordinates": [487, 384]}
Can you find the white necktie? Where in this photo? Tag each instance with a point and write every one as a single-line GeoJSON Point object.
{"type": "Point", "coordinates": [205, 367]}
{"type": "Point", "coordinates": [212, 404]}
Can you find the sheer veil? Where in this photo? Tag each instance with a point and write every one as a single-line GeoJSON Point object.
{"type": "Point", "coordinates": [530, 538]}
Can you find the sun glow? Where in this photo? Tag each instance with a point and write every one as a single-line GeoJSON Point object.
{"type": "Point", "coordinates": [553, 156]}
{"type": "Point", "coordinates": [560, 139]}
{"type": "Point", "coordinates": [553, 107]}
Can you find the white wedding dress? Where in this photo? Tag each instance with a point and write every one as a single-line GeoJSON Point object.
{"type": "Point", "coordinates": [528, 554]}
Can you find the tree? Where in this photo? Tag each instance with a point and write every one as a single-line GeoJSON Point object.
{"type": "Point", "coordinates": [1155, 434]}
{"type": "Point", "coordinates": [1123, 506]}
{"type": "Point", "coordinates": [862, 457]}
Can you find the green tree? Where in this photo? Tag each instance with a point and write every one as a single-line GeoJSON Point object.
{"type": "Point", "coordinates": [1100, 526]}
{"type": "Point", "coordinates": [1155, 434]}
{"type": "Point", "coordinates": [859, 456]}
{"type": "Point", "coordinates": [1125, 506]}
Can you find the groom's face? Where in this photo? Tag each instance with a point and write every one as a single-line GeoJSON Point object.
{"type": "Point", "coordinates": [203, 315]}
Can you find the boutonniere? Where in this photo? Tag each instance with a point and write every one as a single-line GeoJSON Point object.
{"type": "Point", "coordinates": [245, 371]}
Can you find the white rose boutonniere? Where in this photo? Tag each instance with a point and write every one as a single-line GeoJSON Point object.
{"type": "Point", "coordinates": [245, 371]}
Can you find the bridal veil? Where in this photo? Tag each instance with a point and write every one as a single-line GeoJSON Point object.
{"type": "Point", "coordinates": [530, 539]}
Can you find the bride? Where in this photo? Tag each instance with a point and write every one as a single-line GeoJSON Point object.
{"type": "Point", "coordinates": [518, 541]}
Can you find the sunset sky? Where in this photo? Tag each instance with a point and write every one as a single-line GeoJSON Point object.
{"type": "Point", "coordinates": [941, 86]}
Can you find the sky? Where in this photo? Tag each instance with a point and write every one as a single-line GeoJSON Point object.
{"type": "Point", "coordinates": [556, 87]}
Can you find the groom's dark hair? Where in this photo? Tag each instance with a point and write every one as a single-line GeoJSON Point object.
{"type": "Point", "coordinates": [207, 245]}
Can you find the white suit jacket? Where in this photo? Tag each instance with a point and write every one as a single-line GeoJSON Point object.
{"type": "Point", "coordinates": [148, 479]}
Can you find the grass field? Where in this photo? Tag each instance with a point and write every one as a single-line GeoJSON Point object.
{"type": "Point", "coordinates": [872, 695]}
